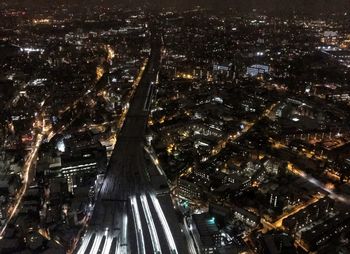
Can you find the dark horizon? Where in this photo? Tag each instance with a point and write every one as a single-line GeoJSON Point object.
{"type": "Point", "coordinates": [271, 6]}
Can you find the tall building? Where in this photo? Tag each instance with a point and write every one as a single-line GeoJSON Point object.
{"type": "Point", "coordinates": [78, 164]}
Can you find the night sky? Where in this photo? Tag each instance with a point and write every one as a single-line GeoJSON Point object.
{"type": "Point", "coordinates": [301, 6]}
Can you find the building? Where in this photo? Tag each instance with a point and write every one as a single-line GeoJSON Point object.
{"type": "Point", "coordinates": [223, 71]}
{"type": "Point", "coordinates": [77, 164]}
{"type": "Point", "coordinates": [84, 161]}
{"type": "Point", "coordinates": [277, 243]}
{"type": "Point", "coordinates": [245, 216]}
{"type": "Point", "coordinates": [326, 231]}
{"type": "Point", "coordinates": [189, 189]}
{"type": "Point", "coordinates": [206, 233]}
{"type": "Point", "coordinates": [257, 69]}
{"type": "Point", "coordinates": [308, 215]}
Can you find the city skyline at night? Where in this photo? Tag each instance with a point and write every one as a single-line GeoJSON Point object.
{"type": "Point", "coordinates": [199, 127]}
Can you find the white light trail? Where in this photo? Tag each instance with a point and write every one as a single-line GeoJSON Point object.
{"type": "Point", "coordinates": [164, 223]}
{"type": "Point", "coordinates": [117, 250]}
{"type": "Point", "coordinates": [124, 239]}
{"type": "Point", "coordinates": [332, 194]}
{"type": "Point", "coordinates": [107, 245]}
{"type": "Point", "coordinates": [319, 184]}
{"type": "Point", "coordinates": [28, 165]}
{"type": "Point", "coordinates": [85, 243]}
{"type": "Point", "coordinates": [190, 242]}
{"type": "Point", "coordinates": [96, 244]}
{"type": "Point", "coordinates": [30, 50]}
{"type": "Point", "coordinates": [150, 224]}
{"type": "Point", "coordinates": [157, 78]}
{"type": "Point", "coordinates": [154, 160]}
{"type": "Point", "coordinates": [138, 226]}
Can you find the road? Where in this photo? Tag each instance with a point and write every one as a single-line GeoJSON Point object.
{"type": "Point", "coordinates": [28, 165]}
{"type": "Point", "coordinates": [339, 197]}
{"type": "Point", "coordinates": [45, 134]}
{"type": "Point", "coordinates": [237, 134]}
{"type": "Point", "coordinates": [277, 224]}
{"type": "Point", "coordinates": [130, 216]}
